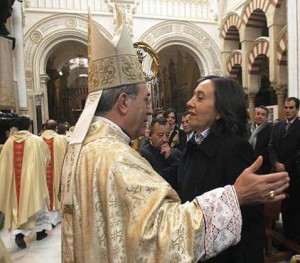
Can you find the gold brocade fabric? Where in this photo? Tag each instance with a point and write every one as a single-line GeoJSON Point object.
{"type": "Point", "coordinates": [123, 210]}
{"type": "Point", "coordinates": [59, 150]}
{"type": "Point", "coordinates": [33, 186]}
{"type": "Point", "coordinates": [295, 259]}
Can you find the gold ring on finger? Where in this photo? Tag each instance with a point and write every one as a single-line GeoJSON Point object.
{"type": "Point", "coordinates": [271, 194]}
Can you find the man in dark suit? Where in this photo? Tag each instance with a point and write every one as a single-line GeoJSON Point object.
{"type": "Point", "coordinates": [186, 127]}
{"type": "Point", "coordinates": [216, 155]}
{"type": "Point", "coordinates": [259, 133]}
{"type": "Point", "coordinates": [158, 152]}
{"type": "Point", "coordinates": [283, 148]}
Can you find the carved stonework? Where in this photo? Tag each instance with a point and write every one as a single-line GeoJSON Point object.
{"type": "Point", "coordinates": [48, 27]}
{"type": "Point", "coordinates": [206, 43]}
{"type": "Point", "coordinates": [37, 100]}
{"type": "Point", "coordinates": [177, 28]}
{"type": "Point", "coordinates": [149, 40]}
{"type": "Point", "coordinates": [36, 37]}
{"type": "Point", "coordinates": [193, 35]}
{"type": "Point", "coordinates": [71, 23]}
{"type": "Point", "coordinates": [128, 8]}
{"type": "Point", "coordinates": [29, 80]}
{"type": "Point", "coordinates": [28, 75]}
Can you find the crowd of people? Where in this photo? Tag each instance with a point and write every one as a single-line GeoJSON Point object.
{"type": "Point", "coordinates": [31, 168]}
{"type": "Point", "coordinates": [219, 142]}
{"type": "Point", "coordinates": [192, 191]}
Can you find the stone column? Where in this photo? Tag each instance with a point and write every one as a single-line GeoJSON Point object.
{"type": "Point", "coordinates": [281, 95]}
{"type": "Point", "coordinates": [245, 74]}
{"type": "Point", "coordinates": [273, 35]}
{"type": "Point", "coordinates": [293, 16]}
{"type": "Point", "coordinates": [37, 124]}
{"type": "Point", "coordinates": [44, 97]}
{"type": "Point", "coordinates": [251, 102]}
{"type": "Point", "coordinates": [19, 55]}
{"type": "Point", "coordinates": [225, 55]}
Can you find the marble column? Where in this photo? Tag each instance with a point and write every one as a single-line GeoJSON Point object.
{"type": "Point", "coordinates": [281, 91]}
{"type": "Point", "coordinates": [19, 55]}
{"type": "Point", "coordinates": [293, 16]}
{"type": "Point", "coordinates": [245, 67]}
{"type": "Point", "coordinates": [251, 102]}
{"type": "Point", "coordinates": [43, 86]}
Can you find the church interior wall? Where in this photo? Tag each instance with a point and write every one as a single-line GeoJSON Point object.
{"type": "Point", "coordinates": [44, 31]}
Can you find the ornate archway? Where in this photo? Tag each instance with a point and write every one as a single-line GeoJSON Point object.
{"type": "Point", "coordinates": [40, 42]}
{"type": "Point", "coordinates": [191, 46]}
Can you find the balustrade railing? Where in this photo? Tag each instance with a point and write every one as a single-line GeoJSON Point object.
{"type": "Point", "coordinates": [175, 9]}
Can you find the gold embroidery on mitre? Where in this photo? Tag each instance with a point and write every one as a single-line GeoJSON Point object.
{"type": "Point", "coordinates": [131, 67]}
{"type": "Point", "coordinates": [112, 63]}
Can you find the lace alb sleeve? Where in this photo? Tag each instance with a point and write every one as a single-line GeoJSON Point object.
{"type": "Point", "coordinates": [223, 220]}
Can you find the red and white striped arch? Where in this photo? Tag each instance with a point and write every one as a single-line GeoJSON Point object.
{"type": "Point", "coordinates": [260, 47]}
{"type": "Point", "coordinates": [282, 48]}
{"type": "Point", "coordinates": [230, 26]}
{"type": "Point", "coordinates": [234, 61]}
{"type": "Point", "coordinates": [251, 6]}
{"type": "Point", "coordinates": [81, 92]}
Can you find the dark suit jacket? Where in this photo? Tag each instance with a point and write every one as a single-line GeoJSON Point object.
{"type": "Point", "coordinates": [167, 168]}
{"type": "Point", "coordinates": [217, 162]}
{"type": "Point", "coordinates": [182, 138]}
{"type": "Point", "coordinates": [261, 147]}
{"type": "Point", "coordinates": [284, 147]}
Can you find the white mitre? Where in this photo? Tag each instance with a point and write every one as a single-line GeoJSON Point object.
{"type": "Point", "coordinates": [111, 64]}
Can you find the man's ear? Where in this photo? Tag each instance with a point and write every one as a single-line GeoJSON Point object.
{"type": "Point", "coordinates": [123, 103]}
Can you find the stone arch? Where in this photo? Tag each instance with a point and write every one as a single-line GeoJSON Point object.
{"type": "Point", "coordinates": [232, 19]}
{"type": "Point", "coordinates": [251, 6]}
{"type": "Point", "coordinates": [282, 45]}
{"type": "Point", "coordinates": [281, 59]}
{"type": "Point", "coordinates": [277, 13]}
{"type": "Point", "coordinates": [195, 39]}
{"type": "Point", "coordinates": [258, 59]}
{"type": "Point", "coordinates": [44, 36]}
{"type": "Point", "coordinates": [259, 47]}
{"type": "Point", "coordinates": [39, 41]}
{"type": "Point", "coordinates": [277, 3]}
{"type": "Point", "coordinates": [234, 59]}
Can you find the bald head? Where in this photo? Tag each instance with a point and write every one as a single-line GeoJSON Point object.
{"type": "Point", "coordinates": [51, 125]}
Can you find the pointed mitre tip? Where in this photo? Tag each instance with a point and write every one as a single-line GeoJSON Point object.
{"type": "Point", "coordinates": [112, 63]}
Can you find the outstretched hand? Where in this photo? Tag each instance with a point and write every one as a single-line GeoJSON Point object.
{"type": "Point", "coordinates": [252, 188]}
